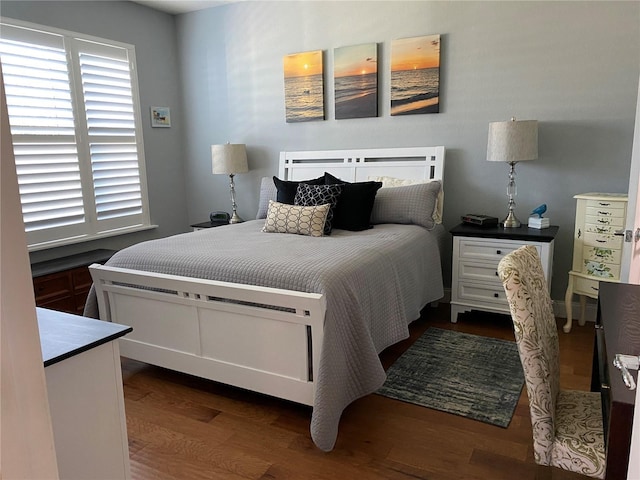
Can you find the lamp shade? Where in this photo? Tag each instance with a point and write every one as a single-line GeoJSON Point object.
{"type": "Point", "coordinates": [513, 141]}
{"type": "Point", "coordinates": [229, 158]}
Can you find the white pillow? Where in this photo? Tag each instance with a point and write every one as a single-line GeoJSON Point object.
{"type": "Point", "coordinates": [390, 182]}
{"type": "Point", "coordinates": [301, 220]}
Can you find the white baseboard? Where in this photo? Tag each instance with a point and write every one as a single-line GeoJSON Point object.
{"type": "Point", "coordinates": [559, 308]}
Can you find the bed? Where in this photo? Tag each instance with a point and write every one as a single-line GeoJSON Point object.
{"type": "Point", "coordinates": [297, 317]}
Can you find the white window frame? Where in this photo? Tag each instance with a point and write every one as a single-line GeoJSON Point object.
{"type": "Point", "coordinates": [92, 227]}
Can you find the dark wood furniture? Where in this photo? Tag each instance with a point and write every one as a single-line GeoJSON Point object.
{"type": "Point", "coordinates": [617, 331]}
{"type": "Point", "coordinates": [63, 283]}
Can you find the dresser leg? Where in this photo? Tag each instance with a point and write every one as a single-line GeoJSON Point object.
{"type": "Point", "coordinates": [583, 308]}
{"type": "Point", "coordinates": [568, 298]}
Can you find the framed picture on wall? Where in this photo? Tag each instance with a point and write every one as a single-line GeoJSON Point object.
{"type": "Point", "coordinates": [356, 81]}
{"type": "Point", "coordinates": [160, 117]}
{"type": "Point", "coordinates": [304, 86]}
{"type": "Point", "coordinates": [415, 75]}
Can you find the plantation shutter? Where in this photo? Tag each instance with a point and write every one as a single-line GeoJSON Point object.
{"type": "Point", "coordinates": [111, 128]}
{"type": "Point", "coordinates": [75, 120]}
{"type": "Point", "coordinates": [39, 103]}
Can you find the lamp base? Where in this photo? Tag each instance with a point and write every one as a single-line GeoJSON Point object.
{"type": "Point", "coordinates": [511, 221]}
{"type": "Point", "coordinates": [235, 218]}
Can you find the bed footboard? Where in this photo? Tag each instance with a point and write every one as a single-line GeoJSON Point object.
{"type": "Point", "coordinates": [263, 339]}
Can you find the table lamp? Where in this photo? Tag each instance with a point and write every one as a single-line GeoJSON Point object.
{"type": "Point", "coordinates": [230, 159]}
{"type": "Point", "coordinates": [512, 142]}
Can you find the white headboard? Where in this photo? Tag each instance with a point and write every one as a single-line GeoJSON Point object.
{"type": "Point", "coordinates": [411, 163]}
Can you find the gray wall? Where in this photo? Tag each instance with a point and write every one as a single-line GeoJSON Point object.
{"type": "Point", "coordinates": [154, 36]}
{"type": "Point", "coordinates": [573, 66]}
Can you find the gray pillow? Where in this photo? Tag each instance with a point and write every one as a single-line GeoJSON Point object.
{"type": "Point", "coordinates": [268, 191]}
{"type": "Point", "coordinates": [409, 204]}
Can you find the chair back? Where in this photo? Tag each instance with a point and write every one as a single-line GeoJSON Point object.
{"type": "Point", "coordinates": [536, 335]}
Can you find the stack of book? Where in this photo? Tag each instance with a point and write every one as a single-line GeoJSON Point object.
{"type": "Point", "coordinates": [536, 222]}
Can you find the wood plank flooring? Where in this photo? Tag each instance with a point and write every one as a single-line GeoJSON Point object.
{"type": "Point", "coordinates": [182, 428]}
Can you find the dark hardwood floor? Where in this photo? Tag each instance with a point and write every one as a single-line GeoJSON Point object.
{"type": "Point", "coordinates": [183, 428]}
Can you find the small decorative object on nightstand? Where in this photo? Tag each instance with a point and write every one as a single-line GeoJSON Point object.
{"type": "Point", "coordinates": [536, 220]}
{"type": "Point", "coordinates": [596, 248]}
{"type": "Point", "coordinates": [476, 254]}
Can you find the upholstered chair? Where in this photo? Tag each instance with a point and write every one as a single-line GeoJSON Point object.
{"type": "Point", "coordinates": [567, 425]}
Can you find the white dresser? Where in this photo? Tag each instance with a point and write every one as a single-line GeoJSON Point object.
{"type": "Point", "coordinates": [596, 248]}
{"type": "Point", "coordinates": [476, 254]}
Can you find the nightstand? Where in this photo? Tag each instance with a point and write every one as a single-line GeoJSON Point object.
{"type": "Point", "coordinates": [476, 253]}
{"type": "Point", "coordinates": [203, 225]}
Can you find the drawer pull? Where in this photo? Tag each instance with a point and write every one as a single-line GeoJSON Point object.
{"type": "Point", "coordinates": [496, 295]}
{"type": "Point", "coordinates": [497, 275]}
{"type": "Point", "coordinates": [499, 252]}
{"type": "Point", "coordinates": [602, 204]}
{"type": "Point", "coordinates": [600, 241]}
{"type": "Point", "coordinates": [595, 289]}
{"type": "Point", "coordinates": [603, 213]}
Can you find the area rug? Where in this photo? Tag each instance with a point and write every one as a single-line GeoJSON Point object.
{"type": "Point", "coordinates": [469, 375]}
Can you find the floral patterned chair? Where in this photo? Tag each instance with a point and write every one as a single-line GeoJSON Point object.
{"type": "Point", "coordinates": [567, 425]}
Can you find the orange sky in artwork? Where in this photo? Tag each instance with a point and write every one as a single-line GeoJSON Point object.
{"type": "Point", "coordinates": [415, 53]}
{"type": "Point", "coordinates": [302, 64]}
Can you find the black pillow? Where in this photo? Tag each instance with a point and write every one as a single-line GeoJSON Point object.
{"type": "Point", "coordinates": [313, 195]}
{"type": "Point", "coordinates": [353, 211]}
{"type": "Point", "coordinates": [287, 188]}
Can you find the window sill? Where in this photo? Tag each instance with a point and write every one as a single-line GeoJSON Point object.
{"type": "Point", "coordinates": [88, 238]}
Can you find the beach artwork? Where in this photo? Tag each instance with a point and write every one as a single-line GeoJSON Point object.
{"type": "Point", "coordinates": [356, 81]}
{"type": "Point", "coordinates": [303, 87]}
{"type": "Point", "coordinates": [415, 75]}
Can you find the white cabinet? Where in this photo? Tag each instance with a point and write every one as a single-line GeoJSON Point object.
{"type": "Point", "coordinates": [596, 248]}
{"type": "Point", "coordinates": [476, 254]}
{"type": "Point", "coordinates": [84, 385]}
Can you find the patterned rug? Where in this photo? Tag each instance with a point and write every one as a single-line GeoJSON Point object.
{"type": "Point", "coordinates": [468, 375]}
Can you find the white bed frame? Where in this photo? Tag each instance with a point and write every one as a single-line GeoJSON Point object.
{"type": "Point", "coordinates": [262, 339]}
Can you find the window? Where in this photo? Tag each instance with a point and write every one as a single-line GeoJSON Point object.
{"type": "Point", "coordinates": [74, 114]}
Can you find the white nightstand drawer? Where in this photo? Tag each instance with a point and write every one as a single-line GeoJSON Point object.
{"type": "Point", "coordinates": [484, 272]}
{"type": "Point", "coordinates": [486, 250]}
{"type": "Point", "coordinates": [482, 293]}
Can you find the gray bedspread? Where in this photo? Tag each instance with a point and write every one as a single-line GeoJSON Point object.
{"type": "Point", "coordinates": [375, 283]}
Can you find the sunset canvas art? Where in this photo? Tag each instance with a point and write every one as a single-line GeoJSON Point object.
{"type": "Point", "coordinates": [415, 75]}
{"type": "Point", "coordinates": [356, 81]}
{"type": "Point", "coordinates": [304, 87]}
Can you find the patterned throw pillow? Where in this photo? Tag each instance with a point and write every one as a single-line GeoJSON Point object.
{"type": "Point", "coordinates": [307, 195]}
{"type": "Point", "coordinates": [284, 218]}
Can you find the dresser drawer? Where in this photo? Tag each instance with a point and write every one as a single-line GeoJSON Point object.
{"type": "Point", "coordinates": [51, 286]}
{"type": "Point", "coordinates": [602, 240]}
{"type": "Point", "coordinates": [602, 254]}
{"type": "Point", "coordinates": [616, 210]}
{"type": "Point", "coordinates": [483, 294]}
{"type": "Point", "coordinates": [592, 220]}
{"type": "Point", "coordinates": [586, 286]}
{"type": "Point", "coordinates": [606, 271]}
